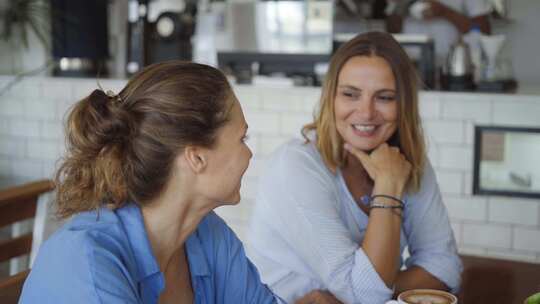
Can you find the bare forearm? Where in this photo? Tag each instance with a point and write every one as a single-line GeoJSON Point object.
{"type": "Point", "coordinates": [417, 277]}
{"type": "Point", "coordinates": [390, 171]}
{"type": "Point", "coordinates": [464, 23]}
{"type": "Point", "coordinates": [460, 21]}
{"type": "Point", "coordinates": [381, 242]}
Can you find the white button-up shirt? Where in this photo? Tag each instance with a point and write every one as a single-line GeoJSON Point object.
{"type": "Point", "coordinates": [306, 231]}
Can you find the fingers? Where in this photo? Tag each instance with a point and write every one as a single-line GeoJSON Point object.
{"type": "Point", "coordinates": [306, 299]}
{"type": "Point", "coordinates": [325, 297]}
{"type": "Point", "coordinates": [303, 300]}
{"type": "Point", "coordinates": [364, 158]}
{"type": "Point", "coordinates": [385, 163]}
{"type": "Point", "coordinates": [361, 155]}
{"type": "Point", "coordinates": [334, 300]}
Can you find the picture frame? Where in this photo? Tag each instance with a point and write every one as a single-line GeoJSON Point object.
{"type": "Point", "coordinates": [505, 161]}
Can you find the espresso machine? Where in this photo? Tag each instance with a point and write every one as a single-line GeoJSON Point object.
{"type": "Point", "coordinates": [159, 30]}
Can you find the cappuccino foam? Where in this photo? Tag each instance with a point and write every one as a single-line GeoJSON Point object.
{"type": "Point", "coordinates": [427, 299]}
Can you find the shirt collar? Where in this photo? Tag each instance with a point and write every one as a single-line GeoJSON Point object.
{"type": "Point", "coordinates": [133, 224]}
{"type": "Point", "coordinates": [147, 265]}
{"type": "Point", "coordinates": [198, 264]}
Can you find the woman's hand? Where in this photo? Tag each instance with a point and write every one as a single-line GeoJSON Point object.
{"type": "Point", "coordinates": [390, 172]}
{"type": "Point", "coordinates": [318, 297]}
{"type": "Point", "coordinates": [385, 165]}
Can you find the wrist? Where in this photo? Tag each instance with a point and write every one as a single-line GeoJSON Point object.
{"type": "Point", "coordinates": [388, 187]}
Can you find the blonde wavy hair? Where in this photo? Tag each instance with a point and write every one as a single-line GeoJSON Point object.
{"type": "Point", "coordinates": [409, 135]}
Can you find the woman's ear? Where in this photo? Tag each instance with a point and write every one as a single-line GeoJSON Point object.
{"type": "Point", "coordinates": [196, 158]}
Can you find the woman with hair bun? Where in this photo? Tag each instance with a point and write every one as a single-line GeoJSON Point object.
{"type": "Point", "coordinates": [143, 171]}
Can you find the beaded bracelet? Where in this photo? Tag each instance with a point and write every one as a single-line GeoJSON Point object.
{"type": "Point", "coordinates": [393, 208]}
{"type": "Point", "coordinates": [401, 204]}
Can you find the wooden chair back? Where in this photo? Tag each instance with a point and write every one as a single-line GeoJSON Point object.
{"type": "Point", "coordinates": [16, 204]}
{"type": "Point", "coordinates": [10, 288]}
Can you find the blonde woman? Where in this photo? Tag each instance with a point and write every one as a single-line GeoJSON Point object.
{"type": "Point", "coordinates": [336, 211]}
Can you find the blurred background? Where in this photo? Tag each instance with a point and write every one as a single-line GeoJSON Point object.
{"type": "Point", "coordinates": [478, 67]}
{"type": "Point", "coordinates": [115, 38]}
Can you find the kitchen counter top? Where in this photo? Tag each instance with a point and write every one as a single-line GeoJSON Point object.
{"type": "Point", "coordinates": [530, 89]}
{"type": "Point", "coordinates": [523, 89]}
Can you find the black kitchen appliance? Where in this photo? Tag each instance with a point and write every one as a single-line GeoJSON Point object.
{"type": "Point", "coordinates": [79, 37]}
{"type": "Point", "coordinates": [159, 31]}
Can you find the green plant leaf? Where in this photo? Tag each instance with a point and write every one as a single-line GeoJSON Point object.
{"type": "Point", "coordinates": [534, 299]}
{"type": "Point", "coordinates": [24, 16]}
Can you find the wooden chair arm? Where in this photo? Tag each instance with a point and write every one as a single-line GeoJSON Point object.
{"type": "Point", "coordinates": [17, 193]}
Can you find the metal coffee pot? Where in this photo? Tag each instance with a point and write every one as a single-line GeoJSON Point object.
{"type": "Point", "coordinates": [459, 63]}
{"type": "Point", "coordinates": [458, 70]}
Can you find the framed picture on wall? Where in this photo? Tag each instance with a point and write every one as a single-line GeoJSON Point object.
{"type": "Point", "coordinates": [506, 161]}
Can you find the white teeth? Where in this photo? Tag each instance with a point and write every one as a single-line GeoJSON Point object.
{"type": "Point", "coordinates": [364, 128]}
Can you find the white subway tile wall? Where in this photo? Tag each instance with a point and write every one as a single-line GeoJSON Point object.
{"type": "Point", "coordinates": [487, 235]}
{"type": "Point", "coordinates": [472, 250]}
{"type": "Point", "coordinates": [5, 167]}
{"type": "Point", "coordinates": [444, 131]}
{"type": "Point", "coordinates": [31, 141]}
{"type": "Point", "coordinates": [456, 157]}
{"type": "Point", "coordinates": [457, 228]}
{"type": "Point", "coordinates": [467, 183]}
{"type": "Point", "coordinates": [12, 145]}
{"type": "Point", "coordinates": [432, 150]}
{"type": "Point", "coordinates": [430, 105]}
{"type": "Point", "coordinates": [23, 127]}
{"type": "Point", "coordinates": [450, 181]}
{"type": "Point", "coordinates": [263, 123]}
{"type": "Point", "coordinates": [466, 208]}
{"type": "Point", "coordinates": [515, 255]}
{"type": "Point", "coordinates": [40, 109]}
{"type": "Point", "coordinates": [527, 239]}
{"type": "Point", "coordinates": [9, 108]}
{"type": "Point", "coordinates": [476, 107]}
{"type": "Point", "coordinates": [513, 211]}
{"type": "Point", "coordinates": [517, 113]}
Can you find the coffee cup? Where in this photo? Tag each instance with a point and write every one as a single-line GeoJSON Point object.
{"type": "Point", "coordinates": [425, 296]}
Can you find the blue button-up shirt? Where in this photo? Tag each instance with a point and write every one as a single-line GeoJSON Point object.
{"type": "Point", "coordinates": [107, 258]}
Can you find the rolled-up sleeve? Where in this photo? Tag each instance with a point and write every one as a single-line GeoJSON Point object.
{"type": "Point", "coordinates": [429, 234]}
{"type": "Point", "coordinates": [368, 285]}
{"type": "Point", "coordinates": [305, 212]}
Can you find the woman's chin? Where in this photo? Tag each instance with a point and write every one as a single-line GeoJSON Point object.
{"type": "Point", "coordinates": [234, 200]}
{"type": "Point", "coordinates": [365, 146]}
